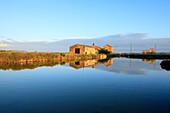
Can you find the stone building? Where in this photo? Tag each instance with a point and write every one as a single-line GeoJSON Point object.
{"type": "Point", "coordinates": [85, 49]}
{"type": "Point", "coordinates": [152, 50]}
{"type": "Point", "coordinates": [82, 49]}
{"type": "Point", "coordinates": [109, 48]}
{"type": "Point", "coordinates": [97, 48]}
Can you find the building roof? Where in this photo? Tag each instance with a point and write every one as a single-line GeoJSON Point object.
{"type": "Point", "coordinates": [80, 45]}
{"type": "Point", "coordinates": [97, 47]}
{"type": "Point", "coordinates": [108, 45]}
{"type": "Point", "coordinates": [93, 46]}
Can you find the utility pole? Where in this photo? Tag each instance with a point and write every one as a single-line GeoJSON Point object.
{"type": "Point", "coordinates": [131, 48]}
{"type": "Point", "coordinates": [155, 47]}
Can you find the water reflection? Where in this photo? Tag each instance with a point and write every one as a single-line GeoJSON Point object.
{"type": "Point", "coordinates": [103, 87]}
{"type": "Point", "coordinates": [131, 66]}
{"type": "Point", "coordinates": [90, 63]}
{"type": "Point", "coordinates": [82, 64]}
{"type": "Point", "coordinates": [151, 61]}
{"type": "Point", "coordinates": [118, 65]}
{"type": "Point", "coordinates": [22, 66]}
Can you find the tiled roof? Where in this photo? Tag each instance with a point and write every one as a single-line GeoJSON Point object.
{"type": "Point", "coordinates": [108, 45]}
{"type": "Point", "coordinates": [80, 45]}
{"type": "Point", "coordinates": [96, 47]}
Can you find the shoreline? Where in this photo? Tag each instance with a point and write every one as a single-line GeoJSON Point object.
{"type": "Point", "coordinates": [27, 57]}
{"type": "Point", "coordinates": [141, 56]}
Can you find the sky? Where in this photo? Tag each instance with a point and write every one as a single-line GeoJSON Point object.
{"type": "Point", "coordinates": [62, 19]}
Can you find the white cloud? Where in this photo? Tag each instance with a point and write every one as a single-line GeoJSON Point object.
{"type": "Point", "coordinates": [3, 45]}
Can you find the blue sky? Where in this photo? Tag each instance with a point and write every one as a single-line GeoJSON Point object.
{"type": "Point", "coordinates": [58, 19]}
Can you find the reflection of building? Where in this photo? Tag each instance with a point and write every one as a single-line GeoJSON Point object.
{"type": "Point", "coordinates": [85, 49]}
{"type": "Point", "coordinates": [109, 62]}
{"type": "Point", "coordinates": [87, 63]}
{"type": "Point", "coordinates": [81, 64]}
{"type": "Point", "coordinates": [152, 50]}
{"type": "Point", "coordinates": [150, 61]}
{"type": "Point", "coordinates": [109, 48]}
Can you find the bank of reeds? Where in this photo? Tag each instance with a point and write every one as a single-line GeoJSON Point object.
{"type": "Point", "coordinates": [25, 57]}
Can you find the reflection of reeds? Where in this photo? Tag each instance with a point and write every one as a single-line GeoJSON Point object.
{"type": "Point", "coordinates": [22, 65]}
{"type": "Point", "coordinates": [33, 65]}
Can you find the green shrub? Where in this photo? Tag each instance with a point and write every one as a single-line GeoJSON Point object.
{"type": "Point", "coordinates": [103, 51]}
{"type": "Point", "coordinates": [63, 54]}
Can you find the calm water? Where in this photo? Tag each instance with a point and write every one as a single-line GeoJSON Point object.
{"type": "Point", "coordinates": [115, 86]}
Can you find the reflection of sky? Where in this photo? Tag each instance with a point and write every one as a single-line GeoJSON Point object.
{"type": "Point", "coordinates": [133, 66]}
{"type": "Point", "coordinates": [87, 90]}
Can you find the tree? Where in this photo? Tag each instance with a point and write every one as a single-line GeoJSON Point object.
{"type": "Point", "coordinates": [104, 51]}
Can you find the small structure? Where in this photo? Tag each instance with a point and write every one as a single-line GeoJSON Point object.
{"type": "Point", "coordinates": [82, 49]}
{"type": "Point", "coordinates": [152, 50]}
{"type": "Point", "coordinates": [109, 48]}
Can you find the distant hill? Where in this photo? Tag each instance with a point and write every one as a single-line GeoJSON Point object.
{"type": "Point", "coordinates": [120, 42]}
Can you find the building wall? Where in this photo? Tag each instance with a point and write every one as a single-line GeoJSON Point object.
{"type": "Point", "coordinates": [97, 48]}
{"type": "Point", "coordinates": [152, 50]}
{"type": "Point", "coordinates": [73, 48]}
{"type": "Point", "coordinates": [89, 50]}
{"type": "Point", "coordinates": [83, 49]}
{"type": "Point", "coordinates": [109, 48]}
